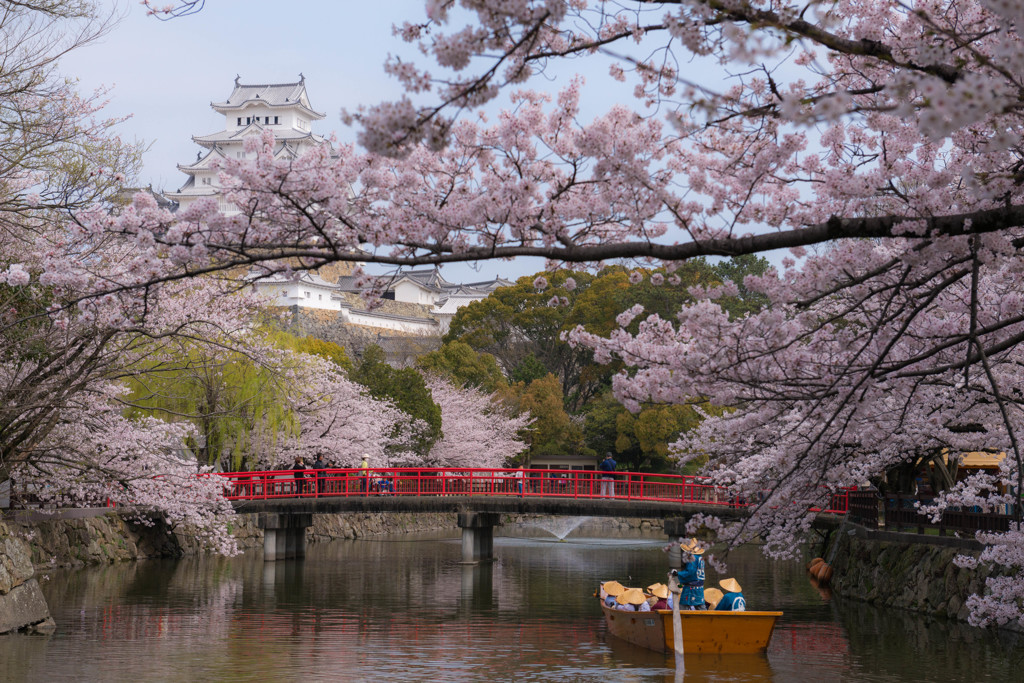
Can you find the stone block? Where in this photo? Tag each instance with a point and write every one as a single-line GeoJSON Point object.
{"type": "Point", "coordinates": [15, 561]}
{"type": "Point", "coordinates": [23, 608]}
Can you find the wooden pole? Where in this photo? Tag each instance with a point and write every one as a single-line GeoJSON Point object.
{"type": "Point", "coordinates": [677, 625]}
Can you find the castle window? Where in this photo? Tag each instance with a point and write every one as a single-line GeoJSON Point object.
{"type": "Point", "coordinates": [266, 120]}
{"type": "Point", "coordinates": [308, 295]}
{"type": "Point", "coordinates": [275, 120]}
{"type": "Point", "coordinates": [239, 120]}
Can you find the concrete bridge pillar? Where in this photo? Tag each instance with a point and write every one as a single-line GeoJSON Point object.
{"type": "Point", "coordinates": [478, 535]}
{"type": "Point", "coordinates": [675, 529]}
{"type": "Point", "coordinates": [284, 534]}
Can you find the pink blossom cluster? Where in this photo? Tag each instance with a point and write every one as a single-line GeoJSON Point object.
{"type": "Point", "coordinates": [477, 431]}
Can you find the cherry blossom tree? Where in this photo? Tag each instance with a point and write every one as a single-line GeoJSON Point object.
{"type": "Point", "coordinates": [884, 134]}
{"type": "Point", "coordinates": [337, 419]}
{"type": "Point", "coordinates": [477, 430]}
{"type": "Point", "coordinates": [95, 456]}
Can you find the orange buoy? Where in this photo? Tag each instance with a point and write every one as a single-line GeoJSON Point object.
{"type": "Point", "coordinates": [814, 563]}
{"type": "Point", "coordinates": [825, 574]}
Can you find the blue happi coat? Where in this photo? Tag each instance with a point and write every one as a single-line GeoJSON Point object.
{"type": "Point", "coordinates": [732, 602]}
{"type": "Point", "coordinates": [691, 581]}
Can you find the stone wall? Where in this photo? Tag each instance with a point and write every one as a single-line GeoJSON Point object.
{"type": "Point", "coordinates": [906, 571]}
{"type": "Point", "coordinates": [22, 606]}
{"type": "Point", "coordinates": [400, 348]}
{"type": "Point", "coordinates": [108, 538]}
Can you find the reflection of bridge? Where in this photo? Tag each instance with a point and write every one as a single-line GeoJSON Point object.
{"type": "Point", "coordinates": [287, 499]}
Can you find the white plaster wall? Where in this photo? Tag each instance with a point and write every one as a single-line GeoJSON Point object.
{"type": "Point", "coordinates": [294, 293]}
{"type": "Point", "coordinates": [427, 327]}
{"type": "Point", "coordinates": [411, 293]}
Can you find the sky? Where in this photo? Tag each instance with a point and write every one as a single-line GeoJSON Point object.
{"type": "Point", "coordinates": [165, 74]}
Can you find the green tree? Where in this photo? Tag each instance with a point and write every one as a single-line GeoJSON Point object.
{"type": "Point", "coordinates": [648, 433]}
{"type": "Point", "coordinates": [457, 362]}
{"type": "Point", "coordinates": [404, 388]}
{"type": "Point", "coordinates": [553, 431]}
{"type": "Point", "coordinates": [238, 407]}
{"type": "Point", "coordinates": [736, 269]}
{"type": "Point", "coordinates": [528, 370]}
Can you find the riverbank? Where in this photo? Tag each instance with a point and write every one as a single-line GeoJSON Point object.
{"type": "Point", "coordinates": [906, 571]}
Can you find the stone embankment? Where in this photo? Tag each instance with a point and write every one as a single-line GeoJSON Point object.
{"type": "Point", "coordinates": [22, 606]}
{"type": "Point", "coordinates": [906, 571]}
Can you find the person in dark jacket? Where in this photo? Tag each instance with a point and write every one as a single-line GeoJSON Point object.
{"type": "Point", "coordinates": [733, 600]}
{"type": "Point", "coordinates": [691, 576]}
{"type": "Point", "coordinates": [300, 474]}
{"type": "Point", "coordinates": [607, 467]}
{"type": "Point", "coordinates": [319, 465]}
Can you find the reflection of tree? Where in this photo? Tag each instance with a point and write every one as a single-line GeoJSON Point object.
{"type": "Point", "coordinates": [886, 635]}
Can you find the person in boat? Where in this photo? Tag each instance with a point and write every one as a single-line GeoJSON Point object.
{"type": "Point", "coordinates": [691, 576]}
{"type": "Point", "coordinates": [632, 600]}
{"type": "Point", "coordinates": [733, 600]}
{"type": "Point", "coordinates": [712, 596]}
{"type": "Point", "coordinates": [661, 598]}
{"type": "Point", "coordinates": [611, 590]}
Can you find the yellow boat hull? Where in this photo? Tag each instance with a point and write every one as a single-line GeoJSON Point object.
{"type": "Point", "coordinates": [703, 632]}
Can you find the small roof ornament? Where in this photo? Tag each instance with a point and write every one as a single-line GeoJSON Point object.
{"type": "Point", "coordinates": [237, 78]}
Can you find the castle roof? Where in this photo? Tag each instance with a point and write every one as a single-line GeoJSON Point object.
{"type": "Point", "coordinates": [280, 135]}
{"type": "Point", "coordinates": [269, 94]}
{"type": "Point", "coordinates": [304, 276]}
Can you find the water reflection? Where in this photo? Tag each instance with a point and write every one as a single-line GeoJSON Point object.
{"type": "Point", "coordinates": [406, 609]}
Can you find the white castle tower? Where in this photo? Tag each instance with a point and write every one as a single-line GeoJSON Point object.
{"type": "Point", "coordinates": [250, 109]}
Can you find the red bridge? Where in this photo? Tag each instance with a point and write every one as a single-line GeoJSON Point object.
{"type": "Point", "coordinates": [286, 500]}
{"type": "Point", "coordinates": [502, 483]}
{"type": "Point", "coordinates": [418, 482]}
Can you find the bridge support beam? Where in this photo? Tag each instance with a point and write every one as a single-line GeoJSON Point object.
{"type": "Point", "coordinates": [675, 529]}
{"type": "Point", "coordinates": [478, 535]}
{"type": "Point", "coordinates": [284, 534]}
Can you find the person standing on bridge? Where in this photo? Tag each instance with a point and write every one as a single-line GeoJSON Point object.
{"type": "Point", "coordinates": [300, 474]}
{"type": "Point", "coordinates": [364, 474]}
{"type": "Point", "coordinates": [319, 465]}
{"type": "Point", "coordinates": [607, 468]}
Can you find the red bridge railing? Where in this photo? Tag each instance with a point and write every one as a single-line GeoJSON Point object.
{"type": "Point", "coordinates": [330, 483]}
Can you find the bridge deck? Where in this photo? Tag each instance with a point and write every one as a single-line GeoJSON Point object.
{"type": "Point", "coordinates": [558, 492]}
{"type": "Point", "coordinates": [593, 507]}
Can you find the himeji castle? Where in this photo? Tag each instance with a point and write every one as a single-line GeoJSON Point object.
{"type": "Point", "coordinates": [249, 110]}
{"type": "Point", "coordinates": [416, 304]}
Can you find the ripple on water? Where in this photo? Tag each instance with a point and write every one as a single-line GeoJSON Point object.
{"type": "Point", "coordinates": [407, 610]}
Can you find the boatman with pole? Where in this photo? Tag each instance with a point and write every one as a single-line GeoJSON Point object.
{"type": "Point", "coordinates": [691, 575]}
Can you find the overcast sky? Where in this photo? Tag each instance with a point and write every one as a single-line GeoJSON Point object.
{"type": "Point", "coordinates": [164, 74]}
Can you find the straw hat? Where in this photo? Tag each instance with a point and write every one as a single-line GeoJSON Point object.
{"type": "Point", "coordinates": [613, 588]}
{"type": "Point", "coordinates": [730, 585]}
{"type": "Point", "coordinates": [692, 547]}
{"type": "Point", "coordinates": [658, 590]}
{"type": "Point", "coordinates": [632, 596]}
{"type": "Point", "coordinates": [713, 596]}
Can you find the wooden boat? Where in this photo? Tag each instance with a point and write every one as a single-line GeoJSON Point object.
{"type": "Point", "coordinates": [703, 632]}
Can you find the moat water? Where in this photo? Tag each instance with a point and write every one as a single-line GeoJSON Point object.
{"type": "Point", "coordinates": [405, 609]}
